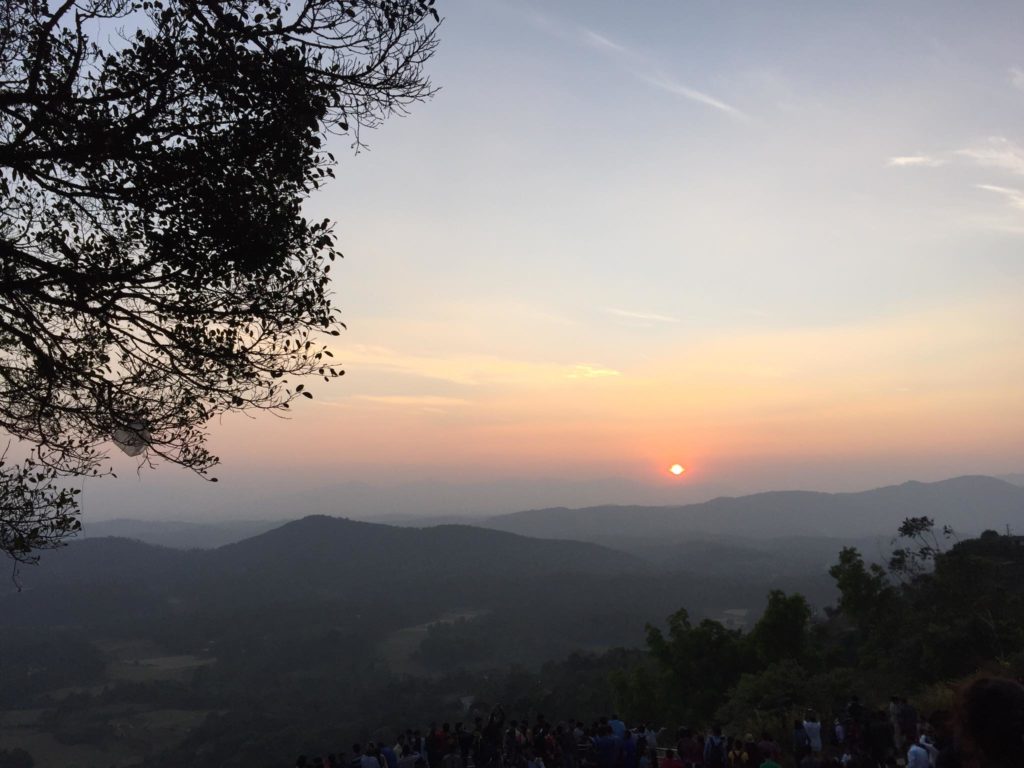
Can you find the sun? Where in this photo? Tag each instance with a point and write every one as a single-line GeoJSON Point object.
{"type": "Point", "coordinates": [677, 469]}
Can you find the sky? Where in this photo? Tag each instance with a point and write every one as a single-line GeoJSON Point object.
{"type": "Point", "coordinates": [780, 244]}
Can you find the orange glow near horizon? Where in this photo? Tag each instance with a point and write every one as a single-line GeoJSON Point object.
{"type": "Point", "coordinates": [751, 407]}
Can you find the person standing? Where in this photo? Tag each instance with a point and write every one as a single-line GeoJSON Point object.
{"type": "Point", "coordinates": [801, 743]}
{"type": "Point", "coordinates": [812, 727]}
{"type": "Point", "coordinates": [918, 757]}
{"type": "Point", "coordinates": [715, 749]}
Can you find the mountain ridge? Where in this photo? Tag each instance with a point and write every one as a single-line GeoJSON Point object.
{"type": "Point", "coordinates": [967, 502]}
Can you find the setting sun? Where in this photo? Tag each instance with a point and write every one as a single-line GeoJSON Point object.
{"type": "Point", "coordinates": [677, 469]}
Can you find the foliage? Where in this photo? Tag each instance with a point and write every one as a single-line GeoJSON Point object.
{"type": "Point", "coordinates": [865, 594]}
{"type": "Point", "coordinates": [35, 512]}
{"type": "Point", "coordinates": [923, 546]}
{"type": "Point", "coordinates": [698, 664]}
{"type": "Point", "coordinates": [771, 699]}
{"type": "Point", "coordinates": [912, 631]}
{"type": "Point", "coordinates": [783, 631]}
{"type": "Point", "coordinates": [156, 269]}
{"type": "Point", "coordinates": [15, 758]}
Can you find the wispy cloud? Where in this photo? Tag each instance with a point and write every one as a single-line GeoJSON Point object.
{"type": "Point", "coordinates": [1017, 78]}
{"type": "Point", "coordinates": [998, 152]}
{"type": "Point", "coordinates": [470, 373]}
{"type": "Point", "coordinates": [667, 84]}
{"type": "Point", "coordinates": [644, 70]}
{"type": "Point", "coordinates": [1014, 197]}
{"type": "Point", "coordinates": [591, 372]}
{"type": "Point", "coordinates": [925, 161]}
{"type": "Point", "coordinates": [418, 401]}
{"type": "Point", "coordinates": [650, 317]}
{"type": "Point", "coordinates": [597, 40]}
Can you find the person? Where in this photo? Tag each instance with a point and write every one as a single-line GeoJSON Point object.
{"type": "Point", "coordinates": [801, 742]}
{"type": "Point", "coordinates": [879, 738]}
{"type": "Point", "coordinates": [990, 719]}
{"type": "Point", "coordinates": [738, 757]}
{"type": "Point", "coordinates": [928, 744]}
{"type": "Point", "coordinates": [606, 748]}
{"type": "Point", "coordinates": [768, 748]}
{"type": "Point", "coordinates": [918, 757]}
{"type": "Point", "coordinates": [670, 760]}
{"type": "Point", "coordinates": [361, 759]}
{"type": "Point", "coordinates": [715, 749]}
{"type": "Point", "coordinates": [628, 751]}
{"type": "Point", "coordinates": [650, 734]}
{"type": "Point", "coordinates": [769, 762]}
{"type": "Point", "coordinates": [839, 733]}
{"type": "Point", "coordinates": [750, 747]}
{"type": "Point", "coordinates": [812, 727]}
{"type": "Point", "coordinates": [908, 721]}
{"type": "Point", "coordinates": [618, 726]}
{"type": "Point", "coordinates": [894, 720]}
{"type": "Point", "coordinates": [688, 749]}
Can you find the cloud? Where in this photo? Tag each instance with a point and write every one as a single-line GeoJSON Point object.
{"type": "Point", "coordinates": [470, 373]}
{"type": "Point", "coordinates": [642, 68]}
{"type": "Point", "coordinates": [669, 85]}
{"type": "Point", "coordinates": [599, 41]}
{"type": "Point", "coordinates": [1017, 78]}
{"type": "Point", "coordinates": [420, 401]}
{"type": "Point", "coordinates": [998, 152]}
{"type": "Point", "coordinates": [1014, 197]}
{"type": "Point", "coordinates": [926, 161]}
{"type": "Point", "coordinates": [592, 372]}
{"type": "Point", "coordinates": [646, 316]}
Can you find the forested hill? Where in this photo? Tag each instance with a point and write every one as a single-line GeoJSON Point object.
{"type": "Point", "coordinates": [329, 556]}
{"type": "Point", "coordinates": [969, 504]}
{"type": "Point", "coordinates": [532, 599]}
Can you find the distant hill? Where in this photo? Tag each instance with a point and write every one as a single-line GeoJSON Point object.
{"type": "Point", "coordinates": [969, 504]}
{"type": "Point", "coordinates": [320, 576]}
{"type": "Point", "coordinates": [327, 554]}
{"type": "Point", "coordinates": [178, 534]}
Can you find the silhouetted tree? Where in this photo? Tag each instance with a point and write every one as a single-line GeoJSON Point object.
{"type": "Point", "coordinates": [155, 266]}
{"type": "Point", "coordinates": [921, 549]}
{"type": "Point", "coordinates": [864, 590]}
{"type": "Point", "coordinates": [783, 630]}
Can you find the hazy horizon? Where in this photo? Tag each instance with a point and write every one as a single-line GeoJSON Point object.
{"type": "Point", "coordinates": [143, 499]}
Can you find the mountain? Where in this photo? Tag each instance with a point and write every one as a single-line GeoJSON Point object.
{"type": "Point", "coordinates": [325, 556]}
{"type": "Point", "coordinates": [969, 504]}
{"type": "Point", "coordinates": [178, 534]}
{"type": "Point", "coordinates": [525, 599]}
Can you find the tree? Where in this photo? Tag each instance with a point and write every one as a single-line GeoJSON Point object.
{"type": "Point", "coordinates": [782, 632]}
{"type": "Point", "coordinates": [921, 549]}
{"type": "Point", "coordinates": [156, 270]}
{"type": "Point", "coordinates": [698, 664]}
{"type": "Point", "coordinates": [864, 591]}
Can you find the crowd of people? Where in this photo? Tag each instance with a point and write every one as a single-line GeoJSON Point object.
{"type": "Point", "coordinates": [986, 731]}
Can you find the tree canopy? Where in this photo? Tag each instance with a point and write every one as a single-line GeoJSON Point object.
{"type": "Point", "coordinates": [156, 269]}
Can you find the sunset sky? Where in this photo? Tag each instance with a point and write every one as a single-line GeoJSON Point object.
{"type": "Point", "coordinates": [784, 249]}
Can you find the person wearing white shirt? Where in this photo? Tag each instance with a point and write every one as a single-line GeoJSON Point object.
{"type": "Point", "coordinates": [918, 757]}
{"type": "Point", "coordinates": [812, 727]}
